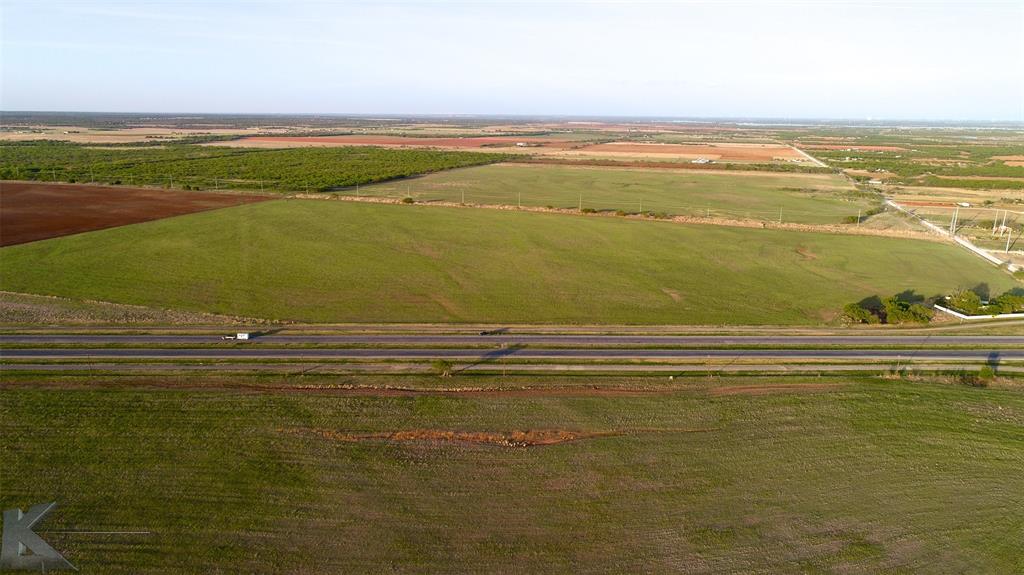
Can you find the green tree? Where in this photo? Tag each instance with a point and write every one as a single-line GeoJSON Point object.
{"type": "Point", "coordinates": [1007, 303]}
{"type": "Point", "coordinates": [898, 311]}
{"type": "Point", "coordinates": [855, 313]}
{"type": "Point", "coordinates": [965, 301]}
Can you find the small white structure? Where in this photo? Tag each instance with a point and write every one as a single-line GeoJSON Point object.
{"type": "Point", "coordinates": [700, 161]}
{"type": "Point", "coordinates": [242, 335]}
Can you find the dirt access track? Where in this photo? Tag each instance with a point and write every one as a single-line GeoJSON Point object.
{"type": "Point", "coordinates": [31, 211]}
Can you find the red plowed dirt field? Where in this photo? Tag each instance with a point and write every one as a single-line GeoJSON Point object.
{"type": "Point", "coordinates": [723, 152]}
{"type": "Point", "coordinates": [497, 141]}
{"type": "Point", "coordinates": [32, 211]}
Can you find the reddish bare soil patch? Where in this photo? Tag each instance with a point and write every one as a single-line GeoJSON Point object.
{"type": "Point", "coordinates": [806, 253]}
{"type": "Point", "coordinates": [724, 152]}
{"type": "Point", "coordinates": [502, 438]}
{"type": "Point", "coordinates": [31, 211]}
{"type": "Point", "coordinates": [1010, 158]}
{"type": "Point", "coordinates": [766, 389]}
{"type": "Point", "coordinates": [529, 438]}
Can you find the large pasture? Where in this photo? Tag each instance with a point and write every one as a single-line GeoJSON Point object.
{"type": "Point", "coordinates": [335, 261]}
{"type": "Point", "coordinates": [802, 198]}
{"type": "Point", "coordinates": [750, 476]}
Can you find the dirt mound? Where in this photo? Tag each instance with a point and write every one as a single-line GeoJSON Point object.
{"type": "Point", "coordinates": [767, 389]}
{"type": "Point", "coordinates": [528, 438]}
{"type": "Point", "coordinates": [806, 253]}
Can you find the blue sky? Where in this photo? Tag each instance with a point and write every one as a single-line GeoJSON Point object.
{"type": "Point", "coordinates": [879, 60]}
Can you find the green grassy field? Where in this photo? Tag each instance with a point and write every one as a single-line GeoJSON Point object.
{"type": "Point", "coordinates": [825, 476]}
{"type": "Point", "coordinates": [803, 198]}
{"type": "Point", "coordinates": [332, 261]}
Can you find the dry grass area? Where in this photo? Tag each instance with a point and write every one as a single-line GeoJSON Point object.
{"type": "Point", "coordinates": [28, 309]}
{"type": "Point", "coordinates": [83, 135]}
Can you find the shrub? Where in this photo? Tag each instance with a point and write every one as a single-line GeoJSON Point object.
{"type": "Point", "coordinates": [854, 313]}
{"type": "Point", "coordinates": [620, 212]}
{"type": "Point", "coordinates": [442, 367]}
{"type": "Point", "coordinates": [965, 301]}
{"type": "Point", "coordinates": [589, 211]}
{"type": "Point", "coordinates": [971, 379]}
{"type": "Point", "coordinates": [986, 372]}
{"type": "Point", "coordinates": [408, 200]}
{"type": "Point", "coordinates": [1007, 303]}
{"type": "Point", "coordinates": [898, 311]}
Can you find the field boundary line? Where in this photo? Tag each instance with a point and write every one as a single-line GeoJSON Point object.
{"type": "Point", "coordinates": [678, 219]}
{"type": "Point", "coordinates": [966, 244]}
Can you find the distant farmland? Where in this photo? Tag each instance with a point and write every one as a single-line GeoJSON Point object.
{"type": "Point", "coordinates": [802, 198]}
{"type": "Point", "coordinates": [725, 152]}
{"type": "Point", "coordinates": [331, 261]}
{"type": "Point", "coordinates": [474, 143]}
{"type": "Point", "coordinates": [204, 167]}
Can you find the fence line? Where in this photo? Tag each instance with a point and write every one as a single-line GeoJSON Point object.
{"type": "Point", "coordinates": [957, 314]}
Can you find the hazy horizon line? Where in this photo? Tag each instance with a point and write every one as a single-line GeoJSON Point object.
{"type": "Point", "coordinates": [547, 116]}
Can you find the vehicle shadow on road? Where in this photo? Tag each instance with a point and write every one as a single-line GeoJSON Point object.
{"type": "Point", "coordinates": [993, 362]}
{"type": "Point", "coordinates": [493, 355]}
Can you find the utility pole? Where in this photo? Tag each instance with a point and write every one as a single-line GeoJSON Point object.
{"type": "Point", "coordinates": [952, 223]}
{"type": "Point", "coordinates": [780, 214]}
{"type": "Point", "coordinates": [1008, 236]}
{"type": "Point", "coordinates": [520, 200]}
{"type": "Point", "coordinates": [581, 202]}
{"type": "Point", "coordinates": [858, 218]}
{"type": "Point", "coordinates": [1003, 228]}
{"type": "Point", "coordinates": [641, 206]}
{"type": "Point", "coordinates": [463, 197]}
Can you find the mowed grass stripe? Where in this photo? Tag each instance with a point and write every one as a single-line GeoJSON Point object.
{"type": "Point", "coordinates": [322, 261]}
{"type": "Point", "coordinates": [801, 198]}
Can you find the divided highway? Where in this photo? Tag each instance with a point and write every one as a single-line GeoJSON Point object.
{"type": "Point", "coordinates": [528, 339]}
{"type": "Point", "coordinates": [518, 353]}
{"type": "Point", "coordinates": [361, 352]}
